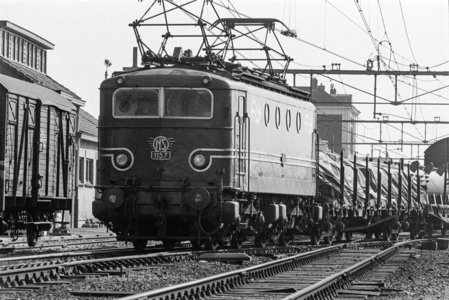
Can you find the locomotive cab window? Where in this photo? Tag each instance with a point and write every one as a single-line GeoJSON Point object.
{"type": "Point", "coordinates": [136, 103]}
{"type": "Point", "coordinates": [187, 103]}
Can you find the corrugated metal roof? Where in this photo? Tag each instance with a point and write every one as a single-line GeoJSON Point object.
{"type": "Point", "coordinates": [35, 91]}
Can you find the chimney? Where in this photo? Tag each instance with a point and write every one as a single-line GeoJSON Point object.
{"type": "Point", "coordinates": [314, 83]}
{"type": "Point", "coordinates": [321, 87]}
{"type": "Point", "coordinates": [333, 90]}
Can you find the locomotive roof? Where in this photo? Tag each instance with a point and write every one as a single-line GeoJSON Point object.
{"type": "Point", "coordinates": [244, 75]}
{"type": "Point", "coordinates": [35, 91]}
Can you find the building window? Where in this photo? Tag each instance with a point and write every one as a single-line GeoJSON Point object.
{"type": "Point", "coordinates": [35, 57]}
{"type": "Point", "coordinates": [20, 54]}
{"type": "Point", "coordinates": [89, 170]}
{"type": "Point", "coordinates": [8, 45]}
{"type": "Point", "coordinates": [31, 56]}
{"type": "Point", "coordinates": [2, 43]}
{"type": "Point", "coordinates": [14, 47]}
{"type": "Point", "coordinates": [17, 45]}
{"type": "Point", "coordinates": [28, 54]}
{"type": "Point", "coordinates": [81, 170]}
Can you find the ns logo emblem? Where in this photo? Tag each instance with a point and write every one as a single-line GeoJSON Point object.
{"type": "Point", "coordinates": [160, 147]}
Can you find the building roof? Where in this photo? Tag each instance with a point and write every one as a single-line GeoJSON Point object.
{"type": "Point", "coordinates": [35, 91]}
{"type": "Point", "coordinates": [41, 42]}
{"type": "Point", "coordinates": [88, 124]}
{"type": "Point", "coordinates": [34, 76]}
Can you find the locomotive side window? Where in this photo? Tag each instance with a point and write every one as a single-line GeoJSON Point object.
{"type": "Point", "coordinates": [288, 119]}
{"type": "Point", "coordinates": [277, 117]}
{"type": "Point", "coordinates": [136, 103]}
{"type": "Point", "coordinates": [188, 103]}
{"type": "Point", "coordinates": [267, 114]}
{"type": "Point", "coordinates": [298, 122]}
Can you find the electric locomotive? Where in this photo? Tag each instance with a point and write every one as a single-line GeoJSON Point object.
{"type": "Point", "coordinates": [196, 153]}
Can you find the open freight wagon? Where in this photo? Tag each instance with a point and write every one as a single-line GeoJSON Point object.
{"type": "Point", "coordinates": [37, 157]}
{"type": "Point", "coordinates": [381, 199]}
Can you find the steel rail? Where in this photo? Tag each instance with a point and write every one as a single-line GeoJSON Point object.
{"type": "Point", "coordinates": [328, 286]}
{"type": "Point", "coordinates": [47, 272]}
{"type": "Point", "coordinates": [210, 285]}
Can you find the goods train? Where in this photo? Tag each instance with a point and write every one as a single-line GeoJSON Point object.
{"type": "Point", "coordinates": [200, 148]}
{"type": "Point", "coordinates": [189, 153]}
{"type": "Point", "coordinates": [37, 157]}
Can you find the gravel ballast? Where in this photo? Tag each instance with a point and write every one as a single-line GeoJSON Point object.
{"type": "Point", "coordinates": [425, 277]}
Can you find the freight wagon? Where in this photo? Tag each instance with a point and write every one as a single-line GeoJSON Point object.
{"type": "Point", "coordinates": [37, 157]}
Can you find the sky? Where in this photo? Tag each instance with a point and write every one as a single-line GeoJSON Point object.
{"type": "Point", "coordinates": [85, 33]}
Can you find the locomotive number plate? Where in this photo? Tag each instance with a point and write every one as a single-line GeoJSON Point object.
{"type": "Point", "coordinates": [160, 155]}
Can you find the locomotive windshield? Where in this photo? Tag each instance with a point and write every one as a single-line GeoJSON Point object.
{"type": "Point", "coordinates": [140, 102]}
{"type": "Point", "coordinates": [175, 103]}
{"type": "Point", "coordinates": [188, 103]}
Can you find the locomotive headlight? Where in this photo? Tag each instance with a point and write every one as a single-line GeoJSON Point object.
{"type": "Point", "coordinates": [199, 160]}
{"type": "Point", "coordinates": [121, 160]}
{"type": "Point", "coordinates": [112, 198]}
{"type": "Point", "coordinates": [206, 80]}
{"type": "Point", "coordinates": [120, 80]}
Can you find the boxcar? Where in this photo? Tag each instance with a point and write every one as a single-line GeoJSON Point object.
{"type": "Point", "coordinates": [37, 156]}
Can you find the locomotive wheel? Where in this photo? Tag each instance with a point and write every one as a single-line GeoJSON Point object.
{"type": "Point", "coordinates": [348, 236]}
{"type": "Point", "coordinates": [412, 233]}
{"type": "Point", "coordinates": [168, 245]}
{"type": "Point", "coordinates": [327, 239]}
{"type": "Point", "coordinates": [261, 241]}
{"type": "Point", "coordinates": [386, 233]}
{"type": "Point", "coordinates": [394, 236]}
{"type": "Point", "coordinates": [140, 245]}
{"type": "Point", "coordinates": [212, 244]}
{"type": "Point", "coordinates": [339, 236]}
{"type": "Point", "coordinates": [377, 234]}
{"type": "Point", "coordinates": [315, 237]}
{"type": "Point", "coordinates": [285, 239]}
{"type": "Point", "coordinates": [32, 235]}
{"type": "Point", "coordinates": [236, 242]}
{"type": "Point", "coordinates": [430, 229]}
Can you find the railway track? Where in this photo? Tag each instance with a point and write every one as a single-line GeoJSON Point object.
{"type": "Point", "coordinates": [58, 241]}
{"type": "Point", "coordinates": [39, 270]}
{"type": "Point", "coordinates": [334, 271]}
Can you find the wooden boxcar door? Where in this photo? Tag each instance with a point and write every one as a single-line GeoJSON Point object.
{"type": "Point", "coordinates": [241, 143]}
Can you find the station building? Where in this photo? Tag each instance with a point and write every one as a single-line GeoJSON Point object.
{"type": "Point", "coordinates": [334, 115]}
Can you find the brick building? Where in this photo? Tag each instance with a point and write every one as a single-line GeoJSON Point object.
{"type": "Point", "coordinates": [332, 109]}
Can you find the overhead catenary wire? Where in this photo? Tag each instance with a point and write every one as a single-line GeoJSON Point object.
{"type": "Point", "coordinates": [389, 59]}
{"type": "Point", "coordinates": [406, 31]}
